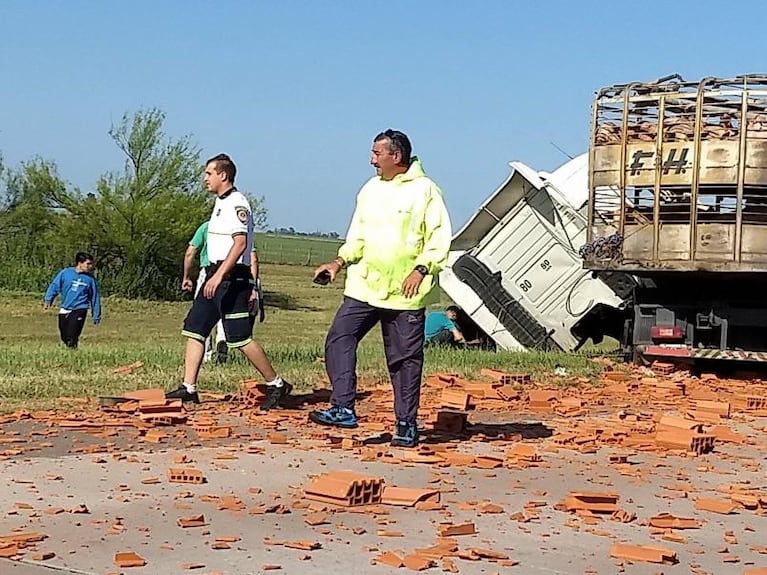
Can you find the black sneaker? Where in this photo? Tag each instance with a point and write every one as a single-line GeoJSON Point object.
{"type": "Point", "coordinates": [183, 394]}
{"type": "Point", "coordinates": [222, 352]}
{"type": "Point", "coordinates": [275, 395]}
{"type": "Point", "coordinates": [405, 435]}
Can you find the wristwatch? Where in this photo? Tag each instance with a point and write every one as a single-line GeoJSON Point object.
{"type": "Point", "coordinates": [423, 270]}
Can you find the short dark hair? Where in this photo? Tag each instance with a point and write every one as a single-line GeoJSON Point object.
{"type": "Point", "coordinates": [81, 257]}
{"type": "Point", "coordinates": [453, 308]}
{"type": "Point", "coordinates": [224, 164]}
{"type": "Point", "coordinates": [398, 142]}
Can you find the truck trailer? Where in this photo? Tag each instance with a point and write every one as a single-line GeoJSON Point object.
{"type": "Point", "coordinates": [677, 199]}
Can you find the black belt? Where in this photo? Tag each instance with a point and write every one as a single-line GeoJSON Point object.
{"type": "Point", "coordinates": [239, 271]}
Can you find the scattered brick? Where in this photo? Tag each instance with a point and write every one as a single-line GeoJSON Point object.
{"type": "Point", "coordinates": [154, 394]}
{"type": "Point", "coordinates": [345, 488]}
{"type": "Point", "coordinates": [661, 368]}
{"type": "Point", "coordinates": [417, 562]}
{"type": "Point", "coordinates": [451, 421]}
{"type": "Point", "coordinates": [185, 475]}
{"type": "Point", "coordinates": [316, 519]}
{"type": "Point", "coordinates": [668, 521]}
{"type": "Point", "coordinates": [541, 400]}
{"type": "Point", "coordinates": [592, 501]}
{"type": "Point", "coordinates": [128, 369]}
{"type": "Point", "coordinates": [645, 553]}
{"type": "Point", "coordinates": [195, 521]}
{"type": "Point", "coordinates": [408, 497]}
{"type": "Point", "coordinates": [715, 505]}
{"type": "Point", "coordinates": [455, 399]}
{"type": "Point", "coordinates": [523, 452]}
{"type": "Point", "coordinates": [129, 559]}
{"type": "Point", "coordinates": [388, 558]}
{"type": "Point", "coordinates": [277, 438]}
{"type": "Point", "coordinates": [687, 440]}
{"type": "Point", "coordinates": [720, 408]}
{"type": "Point", "coordinates": [450, 530]}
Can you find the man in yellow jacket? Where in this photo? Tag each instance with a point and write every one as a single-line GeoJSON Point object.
{"type": "Point", "coordinates": [397, 243]}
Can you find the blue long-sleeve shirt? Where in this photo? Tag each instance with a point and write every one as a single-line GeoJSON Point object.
{"type": "Point", "coordinates": [78, 291]}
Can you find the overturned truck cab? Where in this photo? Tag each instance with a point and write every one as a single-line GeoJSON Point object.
{"type": "Point", "coordinates": [516, 270]}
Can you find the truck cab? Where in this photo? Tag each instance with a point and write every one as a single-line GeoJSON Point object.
{"type": "Point", "coordinates": [515, 267]}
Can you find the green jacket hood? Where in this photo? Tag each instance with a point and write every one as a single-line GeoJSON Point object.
{"type": "Point", "coordinates": [414, 172]}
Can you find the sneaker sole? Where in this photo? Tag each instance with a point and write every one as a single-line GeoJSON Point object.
{"type": "Point", "coordinates": [317, 419]}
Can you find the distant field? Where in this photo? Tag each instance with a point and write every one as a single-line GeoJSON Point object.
{"type": "Point", "coordinates": [301, 250]}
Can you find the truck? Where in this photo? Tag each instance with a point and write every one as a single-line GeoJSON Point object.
{"type": "Point", "coordinates": [678, 200]}
{"type": "Point", "coordinates": [656, 237]}
{"type": "Point", "coordinates": [515, 268]}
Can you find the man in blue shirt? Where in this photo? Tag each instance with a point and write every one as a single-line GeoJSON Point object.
{"type": "Point", "coordinates": [440, 327]}
{"type": "Point", "coordinates": [79, 291]}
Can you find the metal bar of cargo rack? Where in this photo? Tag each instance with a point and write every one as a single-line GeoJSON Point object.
{"type": "Point", "coordinates": [658, 176]}
{"type": "Point", "coordinates": [698, 131]}
{"type": "Point", "coordinates": [622, 171]}
{"type": "Point", "coordinates": [743, 126]}
{"type": "Point", "coordinates": [592, 189]}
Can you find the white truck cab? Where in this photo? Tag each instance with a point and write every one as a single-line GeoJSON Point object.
{"type": "Point", "coordinates": [515, 268]}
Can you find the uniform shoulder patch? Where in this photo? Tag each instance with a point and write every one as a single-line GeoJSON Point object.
{"type": "Point", "coordinates": [242, 213]}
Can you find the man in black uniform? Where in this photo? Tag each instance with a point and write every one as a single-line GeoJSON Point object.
{"type": "Point", "coordinates": [227, 289]}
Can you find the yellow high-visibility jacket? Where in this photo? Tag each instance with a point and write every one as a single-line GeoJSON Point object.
{"type": "Point", "coordinates": [397, 225]}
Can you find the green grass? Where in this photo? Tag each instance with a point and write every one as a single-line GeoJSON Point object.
{"type": "Point", "coordinates": [35, 368]}
{"type": "Point", "coordinates": [279, 249]}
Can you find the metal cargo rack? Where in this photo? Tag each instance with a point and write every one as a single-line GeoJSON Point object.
{"type": "Point", "coordinates": [678, 176]}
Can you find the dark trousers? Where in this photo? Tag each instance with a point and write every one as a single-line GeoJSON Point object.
{"type": "Point", "coordinates": [71, 326]}
{"type": "Point", "coordinates": [403, 334]}
{"type": "Point", "coordinates": [444, 338]}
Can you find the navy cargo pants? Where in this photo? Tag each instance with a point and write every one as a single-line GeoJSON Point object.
{"type": "Point", "coordinates": [403, 335]}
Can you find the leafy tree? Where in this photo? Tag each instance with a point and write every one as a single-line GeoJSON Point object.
{"type": "Point", "coordinates": [136, 222]}
{"type": "Point", "coordinates": [29, 240]}
{"type": "Point", "coordinates": [139, 220]}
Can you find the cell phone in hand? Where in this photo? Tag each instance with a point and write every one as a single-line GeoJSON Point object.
{"type": "Point", "coordinates": [322, 278]}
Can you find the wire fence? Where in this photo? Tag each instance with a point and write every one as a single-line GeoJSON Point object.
{"type": "Point", "coordinates": [298, 250]}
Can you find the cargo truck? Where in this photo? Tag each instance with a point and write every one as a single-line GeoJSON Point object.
{"type": "Point", "coordinates": [656, 237]}
{"type": "Point", "coordinates": [678, 200]}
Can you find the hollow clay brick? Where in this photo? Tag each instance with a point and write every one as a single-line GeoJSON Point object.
{"type": "Point", "coordinates": [345, 488]}
{"type": "Point", "coordinates": [185, 475]}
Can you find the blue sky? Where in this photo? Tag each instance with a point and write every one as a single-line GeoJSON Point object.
{"type": "Point", "coordinates": [294, 91]}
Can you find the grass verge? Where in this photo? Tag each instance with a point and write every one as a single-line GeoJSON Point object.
{"type": "Point", "coordinates": [35, 368]}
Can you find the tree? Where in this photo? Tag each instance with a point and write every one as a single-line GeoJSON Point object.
{"type": "Point", "coordinates": [29, 240]}
{"type": "Point", "coordinates": [138, 221]}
